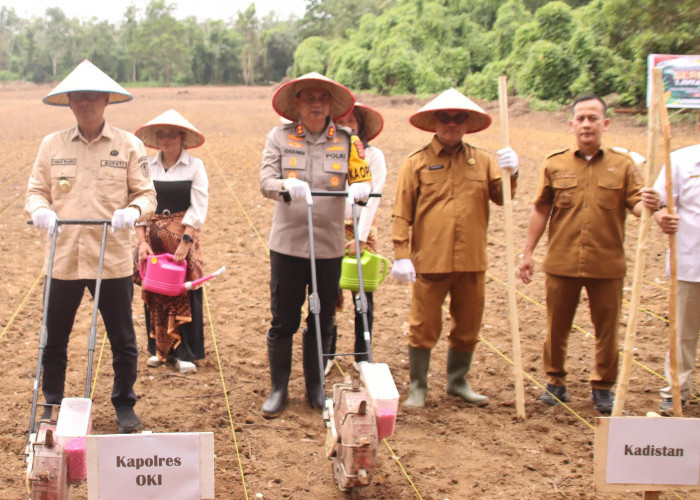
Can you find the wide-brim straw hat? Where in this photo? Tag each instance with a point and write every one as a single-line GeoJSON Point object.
{"type": "Point", "coordinates": [374, 123]}
{"type": "Point", "coordinates": [86, 77]}
{"type": "Point", "coordinates": [342, 99]}
{"type": "Point", "coordinates": [192, 138]}
{"type": "Point", "coordinates": [451, 100]}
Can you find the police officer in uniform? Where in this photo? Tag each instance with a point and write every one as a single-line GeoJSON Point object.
{"type": "Point", "coordinates": [584, 192]}
{"type": "Point", "coordinates": [439, 229]}
{"type": "Point", "coordinates": [91, 171]}
{"type": "Point", "coordinates": [310, 152]}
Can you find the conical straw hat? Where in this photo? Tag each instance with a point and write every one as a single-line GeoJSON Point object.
{"type": "Point", "coordinates": [451, 100]}
{"type": "Point", "coordinates": [283, 100]}
{"type": "Point", "coordinates": [87, 77]}
{"type": "Point", "coordinates": [374, 123]}
{"type": "Point", "coordinates": [192, 138]}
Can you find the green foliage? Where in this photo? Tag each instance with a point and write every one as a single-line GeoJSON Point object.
{"type": "Point", "coordinates": [349, 64]}
{"type": "Point", "coordinates": [391, 67]}
{"type": "Point", "coordinates": [555, 22]}
{"type": "Point", "coordinates": [310, 55]}
{"type": "Point", "coordinates": [546, 73]}
{"type": "Point", "coordinates": [509, 17]}
{"type": "Point", "coordinates": [484, 85]}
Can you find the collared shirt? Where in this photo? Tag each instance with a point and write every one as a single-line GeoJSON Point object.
{"type": "Point", "coordinates": [589, 200]}
{"type": "Point", "coordinates": [291, 151]}
{"type": "Point", "coordinates": [685, 174]}
{"type": "Point", "coordinates": [444, 198]}
{"type": "Point", "coordinates": [90, 180]}
{"type": "Point", "coordinates": [365, 215]}
{"type": "Point", "coordinates": [186, 168]}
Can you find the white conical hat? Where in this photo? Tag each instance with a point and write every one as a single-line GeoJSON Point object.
{"type": "Point", "coordinates": [283, 100]}
{"type": "Point", "coordinates": [87, 77]}
{"type": "Point", "coordinates": [374, 123]}
{"type": "Point", "coordinates": [192, 138]}
{"type": "Point", "coordinates": [451, 100]}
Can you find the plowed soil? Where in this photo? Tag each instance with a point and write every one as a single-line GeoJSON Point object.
{"type": "Point", "coordinates": [447, 450]}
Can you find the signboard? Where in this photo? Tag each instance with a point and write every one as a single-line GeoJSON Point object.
{"type": "Point", "coordinates": [647, 454]}
{"type": "Point", "coordinates": [151, 466]}
{"type": "Point", "coordinates": [681, 79]}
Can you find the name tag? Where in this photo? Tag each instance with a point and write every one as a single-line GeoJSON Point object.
{"type": "Point", "coordinates": [436, 167]}
{"type": "Point", "coordinates": [113, 163]}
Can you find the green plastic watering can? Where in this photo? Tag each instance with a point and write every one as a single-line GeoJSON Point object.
{"type": "Point", "coordinates": [373, 271]}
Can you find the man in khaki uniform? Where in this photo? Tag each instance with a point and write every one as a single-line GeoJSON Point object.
{"type": "Point", "coordinates": [440, 218]}
{"type": "Point", "coordinates": [585, 193]}
{"type": "Point", "coordinates": [91, 171]}
{"type": "Point", "coordinates": [309, 152]}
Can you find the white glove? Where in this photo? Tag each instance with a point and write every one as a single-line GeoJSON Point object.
{"type": "Point", "coordinates": [124, 218]}
{"type": "Point", "coordinates": [403, 270]}
{"type": "Point", "coordinates": [298, 190]}
{"type": "Point", "coordinates": [45, 218]}
{"type": "Point", "coordinates": [508, 159]}
{"type": "Point", "coordinates": [359, 192]}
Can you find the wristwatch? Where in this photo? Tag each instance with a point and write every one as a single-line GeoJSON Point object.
{"type": "Point", "coordinates": [186, 237]}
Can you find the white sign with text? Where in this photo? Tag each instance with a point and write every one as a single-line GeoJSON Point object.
{"type": "Point", "coordinates": [653, 451]}
{"type": "Point", "coordinates": [149, 466]}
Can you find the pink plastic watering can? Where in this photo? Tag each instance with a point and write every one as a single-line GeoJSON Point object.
{"type": "Point", "coordinates": [165, 276]}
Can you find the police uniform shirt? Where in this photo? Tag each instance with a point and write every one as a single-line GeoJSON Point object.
{"type": "Point", "coordinates": [589, 200]}
{"type": "Point", "coordinates": [444, 199]}
{"type": "Point", "coordinates": [291, 151]}
{"type": "Point", "coordinates": [90, 180]}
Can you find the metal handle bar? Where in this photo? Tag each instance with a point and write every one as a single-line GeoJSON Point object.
{"type": "Point", "coordinates": [90, 222]}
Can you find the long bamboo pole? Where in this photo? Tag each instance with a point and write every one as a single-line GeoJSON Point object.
{"type": "Point", "coordinates": [510, 256]}
{"type": "Point", "coordinates": [673, 278]}
{"type": "Point", "coordinates": [649, 173]}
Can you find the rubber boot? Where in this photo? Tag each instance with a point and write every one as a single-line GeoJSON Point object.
{"type": "Point", "coordinates": [279, 353]}
{"type": "Point", "coordinates": [458, 364]}
{"type": "Point", "coordinates": [315, 393]}
{"type": "Point", "coordinates": [418, 363]}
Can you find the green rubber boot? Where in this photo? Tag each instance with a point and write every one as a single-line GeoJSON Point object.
{"type": "Point", "coordinates": [458, 364]}
{"type": "Point", "coordinates": [418, 362]}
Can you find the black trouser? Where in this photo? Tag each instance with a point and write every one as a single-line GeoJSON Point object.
{"type": "Point", "coordinates": [360, 345]}
{"type": "Point", "coordinates": [289, 279]}
{"type": "Point", "coordinates": [191, 347]}
{"type": "Point", "coordinates": [115, 308]}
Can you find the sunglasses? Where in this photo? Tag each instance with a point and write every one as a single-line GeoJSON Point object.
{"type": "Point", "coordinates": [444, 117]}
{"type": "Point", "coordinates": [167, 134]}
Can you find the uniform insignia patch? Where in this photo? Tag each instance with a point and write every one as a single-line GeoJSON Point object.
{"type": "Point", "coordinates": [295, 144]}
{"type": "Point", "coordinates": [64, 185]}
{"type": "Point", "coordinates": [471, 161]}
{"type": "Point", "coordinates": [335, 166]}
{"type": "Point", "coordinates": [145, 169]}
{"type": "Point", "coordinates": [292, 162]}
{"type": "Point", "coordinates": [331, 131]}
{"type": "Point", "coordinates": [114, 152]}
{"type": "Point", "coordinates": [335, 148]}
{"type": "Point", "coordinates": [292, 175]}
{"type": "Point", "coordinates": [300, 129]}
{"type": "Point", "coordinates": [335, 181]}
{"type": "Point", "coordinates": [360, 148]}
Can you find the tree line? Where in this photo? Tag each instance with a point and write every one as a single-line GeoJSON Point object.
{"type": "Point", "coordinates": [550, 50]}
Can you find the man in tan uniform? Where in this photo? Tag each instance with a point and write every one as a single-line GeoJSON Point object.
{"type": "Point", "coordinates": [585, 193]}
{"type": "Point", "coordinates": [442, 209]}
{"type": "Point", "coordinates": [91, 171]}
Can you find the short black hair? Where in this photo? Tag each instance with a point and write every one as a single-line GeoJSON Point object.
{"type": "Point", "coordinates": [590, 97]}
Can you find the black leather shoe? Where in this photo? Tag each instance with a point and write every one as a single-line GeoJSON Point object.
{"type": "Point", "coordinates": [602, 400]}
{"type": "Point", "coordinates": [557, 392]}
{"type": "Point", "coordinates": [128, 421]}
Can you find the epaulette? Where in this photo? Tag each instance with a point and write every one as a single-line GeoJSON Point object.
{"type": "Point", "coordinates": [557, 152]}
{"type": "Point", "coordinates": [419, 150]}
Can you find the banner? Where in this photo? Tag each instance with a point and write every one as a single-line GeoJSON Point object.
{"type": "Point", "coordinates": [681, 79]}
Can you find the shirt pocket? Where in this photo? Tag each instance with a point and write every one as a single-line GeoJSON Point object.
{"type": "Point", "coordinates": [63, 179]}
{"type": "Point", "coordinates": [112, 185]}
{"type": "Point", "coordinates": [434, 182]}
{"type": "Point", "coordinates": [565, 192]}
{"type": "Point", "coordinates": [609, 193]}
{"type": "Point", "coordinates": [293, 165]}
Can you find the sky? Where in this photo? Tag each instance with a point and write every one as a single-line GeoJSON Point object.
{"type": "Point", "coordinates": [113, 10]}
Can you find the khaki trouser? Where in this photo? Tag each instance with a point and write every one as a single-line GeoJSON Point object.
{"type": "Point", "coordinates": [467, 294]}
{"type": "Point", "coordinates": [688, 321]}
{"type": "Point", "coordinates": [605, 298]}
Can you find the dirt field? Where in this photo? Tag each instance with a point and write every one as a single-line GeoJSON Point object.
{"type": "Point", "coordinates": [447, 450]}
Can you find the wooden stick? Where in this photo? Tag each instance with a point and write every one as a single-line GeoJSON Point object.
{"type": "Point", "coordinates": [673, 282]}
{"type": "Point", "coordinates": [510, 255]}
{"type": "Point", "coordinates": [649, 173]}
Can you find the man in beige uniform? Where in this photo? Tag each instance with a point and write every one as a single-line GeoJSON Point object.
{"type": "Point", "coordinates": [309, 152]}
{"type": "Point", "coordinates": [442, 208]}
{"type": "Point", "coordinates": [585, 193]}
{"type": "Point", "coordinates": [91, 171]}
